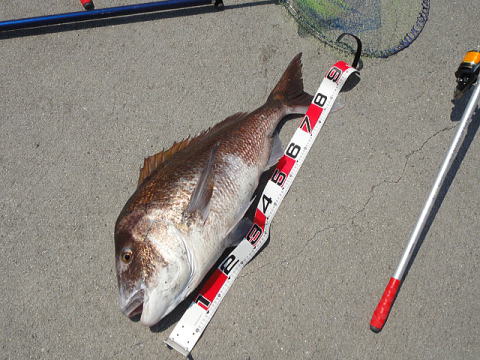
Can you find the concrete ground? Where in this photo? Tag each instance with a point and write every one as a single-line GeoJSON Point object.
{"type": "Point", "coordinates": [81, 108]}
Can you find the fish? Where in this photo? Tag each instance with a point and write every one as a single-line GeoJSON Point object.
{"type": "Point", "coordinates": [191, 199]}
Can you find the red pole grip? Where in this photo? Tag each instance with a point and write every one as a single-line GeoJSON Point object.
{"type": "Point", "coordinates": [87, 4]}
{"type": "Point", "coordinates": [380, 314]}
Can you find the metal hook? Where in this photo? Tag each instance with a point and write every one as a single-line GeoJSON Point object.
{"type": "Point", "coordinates": [356, 59]}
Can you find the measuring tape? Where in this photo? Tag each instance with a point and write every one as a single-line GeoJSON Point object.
{"type": "Point", "coordinates": [191, 326]}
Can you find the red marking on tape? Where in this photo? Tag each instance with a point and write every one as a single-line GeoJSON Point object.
{"type": "Point", "coordinates": [212, 286]}
{"type": "Point", "coordinates": [342, 65]}
{"type": "Point", "coordinates": [260, 219]}
{"type": "Point", "coordinates": [313, 114]}
{"type": "Point", "coordinates": [285, 164]}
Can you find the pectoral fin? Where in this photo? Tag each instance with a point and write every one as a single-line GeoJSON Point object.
{"type": "Point", "coordinates": [200, 199]}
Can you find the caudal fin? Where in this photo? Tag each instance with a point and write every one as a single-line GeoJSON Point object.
{"type": "Point", "coordinates": [289, 89]}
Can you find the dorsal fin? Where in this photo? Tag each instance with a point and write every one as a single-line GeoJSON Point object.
{"type": "Point", "coordinates": [152, 162]}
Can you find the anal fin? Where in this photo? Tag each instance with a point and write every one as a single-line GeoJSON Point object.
{"type": "Point", "coordinates": [276, 152]}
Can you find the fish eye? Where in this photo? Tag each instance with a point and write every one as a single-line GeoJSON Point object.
{"type": "Point", "coordinates": [126, 256]}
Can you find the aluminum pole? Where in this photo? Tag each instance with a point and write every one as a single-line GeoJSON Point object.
{"type": "Point", "coordinates": [382, 310]}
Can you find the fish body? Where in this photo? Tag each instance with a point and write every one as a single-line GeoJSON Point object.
{"type": "Point", "coordinates": [191, 199]}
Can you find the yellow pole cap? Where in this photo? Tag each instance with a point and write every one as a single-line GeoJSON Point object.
{"type": "Point", "coordinates": [472, 57]}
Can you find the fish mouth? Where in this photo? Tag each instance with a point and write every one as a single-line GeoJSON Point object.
{"type": "Point", "coordinates": [134, 305]}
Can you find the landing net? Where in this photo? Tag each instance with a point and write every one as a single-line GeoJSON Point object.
{"type": "Point", "coordinates": [384, 26]}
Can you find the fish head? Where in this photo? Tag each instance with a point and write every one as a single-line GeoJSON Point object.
{"type": "Point", "coordinates": [153, 267]}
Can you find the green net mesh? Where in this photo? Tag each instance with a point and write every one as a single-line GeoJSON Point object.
{"type": "Point", "coordinates": [384, 26]}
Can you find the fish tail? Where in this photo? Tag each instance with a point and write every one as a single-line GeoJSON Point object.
{"type": "Point", "coordinates": [289, 89]}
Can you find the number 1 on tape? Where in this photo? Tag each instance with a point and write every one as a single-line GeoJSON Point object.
{"type": "Point", "coordinates": [191, 326]}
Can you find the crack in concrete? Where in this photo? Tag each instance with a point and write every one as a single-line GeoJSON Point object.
{"type": "Point", "coordinates": [299, 252]}
{"type": "Point", "coordinates": [413, 152]}
{"type": "Point", "coordinates": [404, 169]}
{"type": "Point", "coordinates": [351, 219]}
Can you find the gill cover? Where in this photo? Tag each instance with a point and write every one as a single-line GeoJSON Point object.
{"type": "Point", "coordinates": [154, 276]}
{"type": "Point", "coordinates": [170, 281]}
